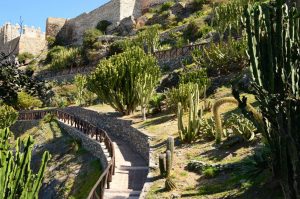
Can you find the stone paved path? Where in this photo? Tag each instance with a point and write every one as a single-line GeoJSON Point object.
{"type": "Point", "coordinates": [131, 169]}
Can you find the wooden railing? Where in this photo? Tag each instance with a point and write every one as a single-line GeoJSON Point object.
{"type": "Point", "coordinates": [90, 130]}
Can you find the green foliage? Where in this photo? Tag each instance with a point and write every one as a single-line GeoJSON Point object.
{"type": "Point", "coordinates": [240, 126]}
{"type": "Point", "coordinates": [83, 95]}
{"type": "Point", "coordinates": [23, 57]}
{"type": "Point", "coordinates": [119, 46]}
{"type": "Point", "coordinates": [273, 48]}
{"type": "Point", "coordinates": [16, 178]}
{"type": "Point", "coordinates": [198, 4]}
{"type": "Point", "coordinates": [190, 133]}
{"type": "Point", "coordinates": [116, 79]}
{"type": "Point", "coordinates": [90, 38]}
{"type": "Point", "coordinates": [149, 39]}
{"type": "Point", "coordinates": [166, 6]}
{"type": "Point", "coordinates": [102, 25]}
{"type": "Point", "coordinates": [227, 16]}
{"type": "Point", "coordinates": [8, 116]}
{"type": "Point", "coordinates": [62, 58]}
{"type": "Point", "coordinates": [156, 102]}
{"type": "Point", "coordinates": [48, 118]}
{"type": "Point", "coordinates": [222, 58]}
{"type": "Point", "coordinates": [26, 101]}
{"type": "Point", "coordinates": [14, 80]}
{"type": "Point", "coordinates": [207, 128]}
{"type": "Point", "coordinates": [192, 32]}
{"type": "Point", "coordinates": [196, 76]}
{"type": "Point", "coordinates": [80, 83]}
{"type": "Point", "coordinates": [210, 172]}
{"type": "Point", "coordinates": [180, 94]}
{"type": "Point", "coordinates": [51, 41]}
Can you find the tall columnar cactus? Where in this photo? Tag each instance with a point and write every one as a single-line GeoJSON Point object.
{"type": "Point", "coordinates": [168, 162]}
{"type": "Point", "coordinates": [218, 119]}
{"type": "Point", "coordinates": [16, 177]}
{"type": "Point", "coordinates": [274, 51]}
{"type": "Point", "coordinates": [162, 164]}
{"type": "Point", "coordinates": [190, 132]}
{"type": "Point", "coordinates": [145, 88]}
{"type": "Point", "coordinates": [170, 147]}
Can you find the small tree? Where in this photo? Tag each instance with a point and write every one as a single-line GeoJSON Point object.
{"type": "Point", "coordinates": [116, 80]}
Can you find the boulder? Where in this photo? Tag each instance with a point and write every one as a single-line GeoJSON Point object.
{"type": "Point", "coordinates": [178, 9]}
{"type": "Point", "coordinates": [127, 26]}
{"type": "Point", "coordinates": [141, 22]}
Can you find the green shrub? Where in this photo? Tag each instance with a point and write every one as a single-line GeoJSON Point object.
{"type": "Point", "coordinates": [116, 80]}
{"type": "Point", "coordinates": [23, 57]}
{"type": "Point", "coordinates": [52, 53]}
{"type": "Point", "coordinates": [50, 41]}
{"type": "Point", "coordinates": [192, 32]}
{"type": "Point", "coordinates": [149, 39]}
{"type": "Point", "coordinates": [90, 38]}
{"type": "Point", "coordinates": [156, 102]}
{"type": "Point", "coordinates": [102, 25]}
{"type": "Point", "coordinates": [119, 46]}
{"type": "Point", "coordinates": [180, 94]}
{"type": "Point", "coordinates": [166, 6]}
{"type": "Point", "coordinates": [27, 102]}
{"type": "Point", "coordinates": [222, 58]}
{"type": "Point", "coordinates": [8, 116]}
{"type": "Point", "coordinates": [83, 96]}
{"type": "Point", "coordinates": [195, 75]}
{"type": "Point", "coordinates": [210, 172]}
{"type": "Point", "coordinates": [62, 58]}
{"type": "Point", "coordinates": [198, 4]}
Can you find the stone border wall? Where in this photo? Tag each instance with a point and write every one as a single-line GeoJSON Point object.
{"type": "Point", "coordinates": [88, 143]}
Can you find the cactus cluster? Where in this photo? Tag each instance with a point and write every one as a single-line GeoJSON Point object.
{"type": "Point", "coordinates": [121, 80]}
{"type": "Point", "coordinates": [16, 178]}
{"type": "Point", "coordinates": [166, 164]}
{"type": "Point", "coordinates": [189, 133]}
{"type": "Point", "coordinates": [273, 33]}
{"type": "Point", "coordinates": [218, 119]}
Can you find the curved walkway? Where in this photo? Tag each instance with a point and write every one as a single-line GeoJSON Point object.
{"type": "Point", "coordinates": [131, 169]}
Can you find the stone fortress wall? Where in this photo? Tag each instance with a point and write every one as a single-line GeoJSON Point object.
{"type": "Point", "coordinates": [114, 11]}
{"type": "Point", "coordinates": [69, 31]}
{"type": "Point", "coordinates": [27, 39]}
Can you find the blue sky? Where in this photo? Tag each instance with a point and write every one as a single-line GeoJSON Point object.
{"type": "Point", "coordinates": [35, 12]}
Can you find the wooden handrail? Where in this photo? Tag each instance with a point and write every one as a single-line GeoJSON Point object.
{"type": "Point", "coordinates": [89, 129]}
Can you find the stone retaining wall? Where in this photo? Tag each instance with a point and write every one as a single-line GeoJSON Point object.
{"type": "Point", "coordinates": [88, 143]}
{"type": "Point", "coordinates": [117, 127]}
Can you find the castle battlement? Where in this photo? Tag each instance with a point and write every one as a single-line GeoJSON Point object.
{"type": "Point", "coordinates": [26, 38]}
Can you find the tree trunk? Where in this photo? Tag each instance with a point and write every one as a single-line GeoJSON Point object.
{"type": "Point", "coordinates": [144, 113]}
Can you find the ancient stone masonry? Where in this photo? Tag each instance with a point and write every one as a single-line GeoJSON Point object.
{"type": "Point", "coordinates": [27, 39]}
{"type": "Point", "coordinates": [71, 31]}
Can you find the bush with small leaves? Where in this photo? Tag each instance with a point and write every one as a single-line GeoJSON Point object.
{"type": "Point", "coordinates": [24, 57]}
{"type": "Point", "coordinates": [27, 102]}
{"type": "Point", "coordinates": [8, 116]}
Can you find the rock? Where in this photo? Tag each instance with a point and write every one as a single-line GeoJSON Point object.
{"type": "Point", "coordinates": [141, 22]}
{"type": "Point", "coordinates": [127, 26]}
{"type": "Point", "coordinates": [175, 195]}
{"type": "Point", "coordinates": [178, 9]}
